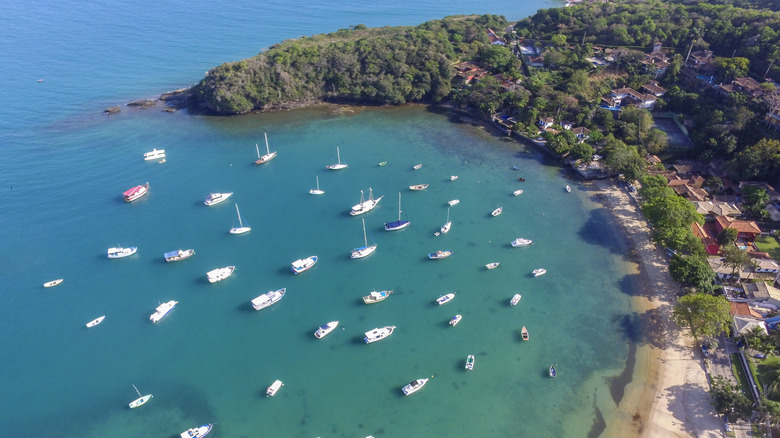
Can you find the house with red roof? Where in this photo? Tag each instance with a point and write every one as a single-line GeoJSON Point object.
{"type": "Point", "coordinates": [709, 242]}
{"type": "Point", "coordinates": [746, 230]}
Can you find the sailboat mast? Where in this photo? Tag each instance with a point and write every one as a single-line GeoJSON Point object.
{"type": "Point", "coordinates": [338, 154]}
{"type": "Point", "coordinates": [318, 183]}
{"type": "Point", "coordinates": [399, 206]}
{"type": "Point", "coordinates": [257, 148]}
{"type": "Point", "coordinates": [267, 151]}
{"type": "Point", "coordinates": [136, 390]}
{"type": "Point", "coordinates": [365, 239]}
{"type": "Point", "coordinates": [240, 224]}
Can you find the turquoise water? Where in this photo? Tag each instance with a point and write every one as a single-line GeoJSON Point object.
{"type": "Point", "coordinates": [64, 167]}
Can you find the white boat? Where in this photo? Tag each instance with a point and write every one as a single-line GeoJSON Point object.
{"type": "Point", "coordinates": [317, 191]}
{"type": "Point", "coordinates": [453, 202]}
{"type": "Point", "coordinates": [216, 198]}
{"type": "Point", "coordinates": [399, 224]}
{"type": "Point", "coordinates": [414, 386]}
{"type": "Point", "coordinates": [453, 177]}
{"type": "Point", "coordinates": [96, 321]}
{"type": "Point", "coordinates": [301, 265]}
{"type": "Point", "coordinates": [135, 193]}
{"type": "Point", "coordinates": [376, 296]}
{"type": "Point", "coordinates": [521, 242]}
{"type": "Point", "coordinates": [241, 228]}
{"type": "Point", "coordinates": [325, 329]}
{"type": "Point", "coordinates": [339, 165]}
{"type": "Point", "coordinates": [53, 282]}
{"type": "Point", "coordinates": [378, 334]}
{"type": "Point", "coordinates": [470, 362]}
{"type": "Point", "coordinates": [268, 298]}
{"type": "Point", "coordinates": [439, 255]}
{"type": "Point", "coordinates": [162, 310]}
{"type": "Point", "coordinates": [524, 333]}
{"type": "Point", "coordinates": [365, 206]}
{"type": "Point", "coordinates": [119, 252]}
{"type": "Point", "coordinates": [517, 192]}
{"type": "Point", "coordinates": [155, 154]}
{"type": "Point", "coordinates": [447, 225]}
{"type": "Point", "coordinates": [515, 299]}
{"type": "Point", "coordinates": [220, 274]}
{"type": "Point", "coordinates": [366, 250]}
{"type": "Point", "coordinates": [568, 189]}
{"type": "Point", "coordinates": [197, 432]}
{"type": "Point", "coordinates": [455, 320]}
{"type": "Point", "coordinates": [538, 272]}
{"type": "Point", "coordinates": [178, 255]}
{"type": "Point", "coordinates": [497, 211]}
{"type": "Point", "coordinates": [445, 298]}
{"type": "Point", "coordinates": [274, 388]}
{"type": "Point", "coordinates": [418, 187]}
{"type": "Point", "coordinates": [140, 400]}
{"type": "Point", "coordinates": [268, 154]}
{"type": "Point", "coordinates": [417, 166]}
{"type": "Point", "coordinates": [493, 265]}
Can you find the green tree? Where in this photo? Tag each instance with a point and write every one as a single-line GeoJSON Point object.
{"type": "Point", "coordinates": [558, 40]}
{"type": "Point", "coordinates": [624, 159]}
{"type": "Point", "coordinates": [497, 59]}
{"type": "Point", "coordinates": [760, 161]}
{"type": "Point", "coordinates": [735, 258]}
{"type": "Point", "coordinates": [582, 151]}
{"type": "Point", "coordinates": [693, 270]}
{"type": "Point", "coordinates": [705, 315]}
{"type": "Point", "coordinates": [728, 399]}
{"type": "Point", "coordinates": [656, 141]}
{"type": "Point", "coordinates": [731, 68]}
{"type": "Point", "coordinates": [756, 199]}
{"type": "Point", "coordinates": [640, 118]}
{"type": "Point", "coordinates": [728, 236]}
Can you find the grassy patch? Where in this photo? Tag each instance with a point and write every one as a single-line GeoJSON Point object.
{"type": "Point", "coordinates": [769, 244]}
{"type": "Point", "coordinates": [739, 373]}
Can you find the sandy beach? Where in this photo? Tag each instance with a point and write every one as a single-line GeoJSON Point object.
{"type": "Point", "coordinates": [669, 392]}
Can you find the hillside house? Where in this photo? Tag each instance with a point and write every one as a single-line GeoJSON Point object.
{"type": "Point", "coordinates": [747, 85]}
{"type": "Point", "coordinates": [582, 133]}
{"type": "Point", "coordinates": [494, 39]}
{"type": "Point", "coordinates": [546, 122]}
{"type": "Point", "coordinates": [702, 62]}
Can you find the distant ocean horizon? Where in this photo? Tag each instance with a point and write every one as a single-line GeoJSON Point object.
{"type": "Point", "coordinates": [65, 165]}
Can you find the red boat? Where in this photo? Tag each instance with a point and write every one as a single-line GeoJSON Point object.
{"type": "Point", "coordinates": [521, 179]}
{"type": "Point", "coordinates": [135, 193]}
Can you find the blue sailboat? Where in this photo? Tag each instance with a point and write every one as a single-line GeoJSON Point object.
{"type": "Point", "coordinates": [399, 224]}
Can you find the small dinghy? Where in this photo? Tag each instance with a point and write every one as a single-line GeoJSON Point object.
{"type": "Point", "coordinates": [96, 321]}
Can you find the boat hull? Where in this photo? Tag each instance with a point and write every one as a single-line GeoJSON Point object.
{"type": "Point", "coordinates": [53, 282]}
{"type": "Point", "coordinates": [378, 334]}
{"type": "Point", "coordinates": [118, 253]}
{"type": "Point", "coordinates": [135, 193]}
{"type": "Point", "coordinates": [274, 388]}
{"type": "Point", "coordinates": [397, 225]}
{"type": "Point", "coordinates": [303, 265]}
{"type": "Point", "coordinates": [438, 255]}
{"type": "Point", "coordinates": [140, 401]}
{"type": "Point", "coordinates": [217, 198]}
{"type": "Point", "coordinates": [323, 330]}
{"type": "Point", "coordinates": [268, 299]}
{"type": "Point", "coordinates": [220, 274]}
{"type": "Point", "coordinates": [414, 386]}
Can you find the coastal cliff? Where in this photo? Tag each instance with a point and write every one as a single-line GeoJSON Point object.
{"type": "Point", "coordinates": [388, 65]}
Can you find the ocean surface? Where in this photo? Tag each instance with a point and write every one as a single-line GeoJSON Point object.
{"type": "Point", "coordinates": [64, 166]}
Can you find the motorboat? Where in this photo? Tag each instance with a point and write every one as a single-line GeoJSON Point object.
{"type": "Point", "coordinates": [96, 321]}
{"type": "Point", "coordinates": [339, 165]}
{"type": "Point", "coordinates": [453, 202]}
{"type": "Point", "coordinates": [455, 320]}
{"type": "Point", "coordinates": [414, 386]}
{"type": "Point", "coordinates": [197, 432]}
{"type": "Point", "coordinates": [142, 399]}
{"type": "Point", "coordinates": [220, 274]}
{"type": "Point", "coordinates": [568, 189]}
{"type": "Point", "coordinates": [366, 250]}
{"type": "Point", "coordinates": [378, 334]}
{"type": "Point", "coordinates": [553, 373]}
{"type": "Point", "coordinates": [493, 265]}
{"type": "Point", "coordinates": [119, 252]}
{"type": "Point", "coordinates": [453, 177]}
{"type": "Point", "coordinates": [515, 300]}
{"type": "Point", "coordinates": [53, 282]}
{"type": "Point", "coordinates": [268, 154]}
{"type": "Point", "coordinates": [447, 225]}
{"type": "Point", "coordinates": [135, 193]}
{"type": "Point", "coordinates": [317, 191]}
{"type": "Point", "coordinates": [241, 228]}
{"type": "Point", "coordinates": [301, 265]}
{"type": "Point", "coordinates": [365, 206]}
{"type": "Point", "coordinates": [325, 329]}
{"type": "Point", "coordinates": [439, 255]}
{"type": "Point", "coordinates": [178, 255]}
{"type": "Point", "coordinates": [418, 187]}
{"type": "Point", "coordinates": [445, 298]}
{"type": "Point", "coordinates": [417, 166]}
{"type": "Point", "coordinates": [376, 296]}
{"type": "Point", "coordinates": [470, 362]}
{"type": "Point", "coordinates": [399, 224]}
{"type": "Point", "coordinates": [524, 333]}
{"type": "Point", "coordinates": [382, 163]}
{"type": "Point", "coordinates": [216, 198]}
{"type": "Point", "coordinates": [274, 388]}
{"type": "Point", "coordinates": [497, 211]}
{"type": "Point", "coordinates": [155, 154]}
{"type": "Point", "coordinates": [521, 242]}
{"type": "Point", "coordinates": [538, 272]}
{"type": "Point", "coordinates": [517, 192]}
{"type": "Point", "coordinates": [268, 299]}
{"type": "Point", "coordinates": [162, 310]}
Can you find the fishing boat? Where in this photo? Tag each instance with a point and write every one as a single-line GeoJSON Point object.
{"type": "Point", "coordinates": [365, 250]}
{"type": "Point", "coordinates": [135, 193]}
{"type": "Point", "coordinates": [493, 265]}
{"type": "Point", "coordinates": [119, 252]}
{"type": "Point", "coordinates": [399, 224]}
{"type": "Point", "coordinates": [453, 177]}
{"type": "Point", "coordinates": [268, 154]}
{"type": "Point", "coordinates": [197, 432]}
{"type": "Point", "coordinates": [445, 298]}
{"type": "Point", "coordinates": [376, 296]}
{"type": "Point", "coordinates": [178, 255]}
{"type": "Point", "coordinates": [453, 202]}
{"type": "Point", "coordinates": [325, 329]}
{"type": "Point", "coordinates": [382, 163]}
{"type": "Point", "coordinates": [470, 362]}
{"type": "Point", "coordinates": [497, 211]}
{"type": "Point", "coordinates": [538, 272]}
{"type": "Point", "coordinates": [515, 300]}
{"type": "Point", "coordinates": [521, 242]}
{"type": "Point", "coordinates": [417, 166]}
{"type": "Point", "coordinates": [365, 205]}
{"type": "Point", "coordinates": [553, 373]}
{"type": "Point", "coordinates": [414, 386]}
{"type": "Point", "coordinates": [155, 154]}
{"type": "Point", "coordinates": [96, 321]}
{"type": "Point", "coordinates": [216, 198]}
{"type": "Point", "coordinates": [447, 225]}
{"type": "Point", "coordinates": [524, 333]}
{"type": "Point", "coordinates": [517, 192]}
{"type": "Point", "coordinates": [274, 388]}
{"type": "Point", "coordinates": [339, 165]}
{"type": "Point", "coordinates": [302, 265]}
{"type": "Point", "coordinates": [53, 282]}
{"type": "Point", "coordinates": [241, 228]}
{"type": "Point", "coordinates": [418, 187]}
{"type": "Point", "coordinates": [220, 274]}
{"type": "Point", "coordinates": [455, 320]}
{"type": "Point", "coordinates": [162, 310]}
{"type": "Point", "coordinates": [317, 191]}
{"type": "Point", "coordinates": [378, 334]}
{"type": "Point", "coordinates": [268, 298]}
{"type": "Point", "coordinates": [568, 189]}
{"type": "Point", "coordinates": [439, 255]}
{"type": "Point", "coordinates": [142, 399]}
